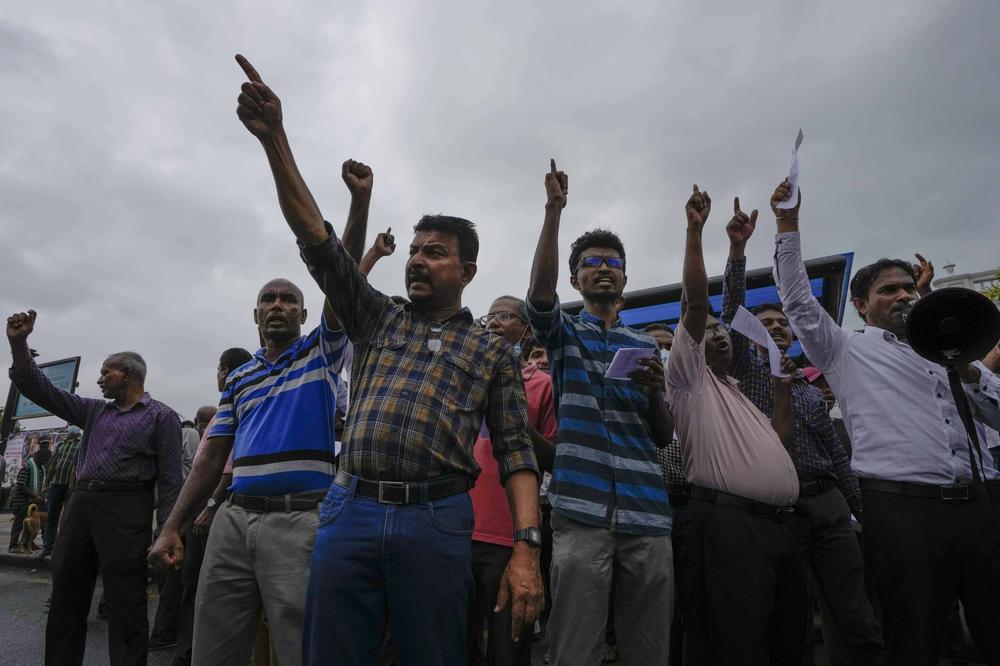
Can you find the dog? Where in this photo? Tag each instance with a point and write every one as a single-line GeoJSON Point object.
{"type": "Point", "coordinates": [29, 530]}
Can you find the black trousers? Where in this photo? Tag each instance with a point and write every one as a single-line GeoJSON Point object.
{"type": "Point", "coordinates": [743, 592]}
{"type": "Point", "coordinates": [170, 584]}
{"type": "Point", "coordinates": [107, 533]}
{"type": "Point", "coordinates": [194, 554]}
{"type": "Point", "coordinates": [924, 553]}
{"type": "Point", "coordinates": [488, 564]}
{"type": "Point", "coordinates": [831, 550]}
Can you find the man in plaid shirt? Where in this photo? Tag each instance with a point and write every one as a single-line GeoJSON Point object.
{"type": "Point", "coordinates": [828, 489]}
{"type": "Point", "coordinates": [59, 478]}
{"type": "Point", "coordinates": [394, 530]}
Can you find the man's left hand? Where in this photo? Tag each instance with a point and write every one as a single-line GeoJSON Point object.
{"type": "Point", "coordinates": [650, 377]}
{"type": "Point", "coordinates": [521, 586]}
{"type": "Point", "coordinates": [203, 522]}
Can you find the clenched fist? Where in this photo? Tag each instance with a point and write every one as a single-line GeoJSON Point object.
{"type": "Point", "coordinates": [358, 177]}
{"type": "Point", "coordinates": [20, 326]}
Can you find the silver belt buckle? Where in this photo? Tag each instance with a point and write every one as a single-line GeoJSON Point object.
{"type": "Point", "coordinates": [382, 485]}
{"type": "Point", "coordinates": [955, 493]}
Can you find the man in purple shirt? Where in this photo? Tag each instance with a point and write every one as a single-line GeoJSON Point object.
{"type": "Point", "coordinates": [129, 445]}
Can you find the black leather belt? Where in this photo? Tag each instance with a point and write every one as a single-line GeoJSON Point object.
{"type": "Point", "coordinates": [285, 503]}
{"type": "Point", "coordinates": [678, 496]}
{"type": "Point", "coordinates": [115, 486]}
{"type": "Point", "coordinates": [956, 492]}
{"type": "Point", "coordinates": [816, 487]}
{"type": "Point", "coordinates": [404, 492]}
{"type": "Point", "coordinates": [760, 509]}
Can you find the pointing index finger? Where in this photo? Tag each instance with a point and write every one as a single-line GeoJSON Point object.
{"type": "Point", "coordinates": [736, 205]}
{"type": "Point", "coordinates": [248, 69]}
{"type": "Point", "coordinates": [552, 164]}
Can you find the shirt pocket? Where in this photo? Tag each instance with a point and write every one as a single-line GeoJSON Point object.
{"type": "Point", "coordinates": [391, 356]}
{"type": "Point", "coordinates": [463, 381]}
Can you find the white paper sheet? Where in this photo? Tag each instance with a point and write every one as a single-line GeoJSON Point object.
{"type": "Point", "coordinates": [627, 360]}
{"type": "Point", "coordinates": [793, 176]}
{"type": "Point", "coordinates": [746, 323]}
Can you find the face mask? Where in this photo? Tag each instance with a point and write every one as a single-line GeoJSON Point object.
{"type": "Point", "coordinates": [664, 354]}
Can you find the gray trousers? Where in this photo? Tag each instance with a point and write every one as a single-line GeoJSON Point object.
{"type": "Point", "coordinates": [253, 560]}
{"type": "Point", "coordinates": [583, 559]}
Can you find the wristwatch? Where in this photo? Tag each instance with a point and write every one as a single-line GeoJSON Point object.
{"type": "Point", "coordinates": [211, 503]}
{"type": "Point", "coordinates": [530, 535]}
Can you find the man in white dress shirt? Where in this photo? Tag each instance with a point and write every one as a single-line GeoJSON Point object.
{"type": "Point", "coordinates": [926, 531]}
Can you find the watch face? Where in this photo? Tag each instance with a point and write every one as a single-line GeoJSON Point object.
{"type": "Point", "coordinates": [211, 503]}
{"type": "Point", "coordinates": [531, 535]}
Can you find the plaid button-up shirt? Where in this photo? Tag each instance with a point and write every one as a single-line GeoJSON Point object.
{"type": "Point", "coordinates": [420, 390]}
{"type": "Point", "coordinates": [818, 451]}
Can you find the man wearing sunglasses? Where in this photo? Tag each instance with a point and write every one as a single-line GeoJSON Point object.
{"type": "Point", "coordinates": [609, 503]}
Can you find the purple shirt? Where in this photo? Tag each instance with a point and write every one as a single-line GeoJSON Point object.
{"type": "Point", "coordinates": [140, 444]}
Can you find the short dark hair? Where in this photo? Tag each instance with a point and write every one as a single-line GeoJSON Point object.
{"type": "Point", "coordinates": [233, 358]}
{"type": "Point", "coordinates": [767, 307]}
{"type": "Point", "coordinates": [528, 346]}
{"type": "Point", "coordinates": [862, 281]}
{"type": "Point", "coordinates": [595, 238]}
{"type": "Point", "coordinates": [460, 228]}
{"type": "Point", "coordinates": [657, 326]}
{"type": "Point", "coordinates": [187, 423]}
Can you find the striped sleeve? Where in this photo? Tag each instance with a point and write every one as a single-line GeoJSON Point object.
{"type": "Point", "coordinates": [545, 324]}
{"type": "Point", "coordinates": [225, 417]}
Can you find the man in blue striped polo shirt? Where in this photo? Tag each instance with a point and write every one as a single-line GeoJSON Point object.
{"type": "Point", "coordinates": [609, 503]}
{"type": "Point", "coordinates": [276, 416]}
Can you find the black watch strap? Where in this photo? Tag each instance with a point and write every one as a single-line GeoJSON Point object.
{"type": "Point", "coordinates": [530, 535]}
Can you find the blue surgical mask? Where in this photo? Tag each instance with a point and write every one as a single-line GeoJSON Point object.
{"type": "Point", "coordinates": [664, 354]}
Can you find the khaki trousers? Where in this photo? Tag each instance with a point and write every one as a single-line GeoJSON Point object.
{"type": "Point", "coordinates": [253, 561]}
{"type": "Point", "coordinates": [583, 559]}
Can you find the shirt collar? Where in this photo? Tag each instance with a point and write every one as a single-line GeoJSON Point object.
{"type": "Point", "coordinates": [594, 319]}
{"type": "Point", "coordinates": [143, 400]}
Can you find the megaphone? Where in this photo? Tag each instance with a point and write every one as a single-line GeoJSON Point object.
{"type": "Point", "coordinates": [953, 326]}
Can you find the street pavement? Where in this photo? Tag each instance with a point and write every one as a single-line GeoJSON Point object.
{"type": "Point", "coordinates": [23, 593]}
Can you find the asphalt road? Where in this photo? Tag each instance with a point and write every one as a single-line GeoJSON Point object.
{"type": "Point", "coordinates": [23, 592]}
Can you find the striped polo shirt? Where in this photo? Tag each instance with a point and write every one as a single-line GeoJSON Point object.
{"type": "Point", "coordinates": [606, 471]}
{"type": "Point", "coordinates": [282, 416]}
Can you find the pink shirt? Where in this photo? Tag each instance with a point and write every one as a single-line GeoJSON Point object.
{"type": "Point", "coordinates": [489, 499]}
{"type": "Point", "coordinates": [727, 444]}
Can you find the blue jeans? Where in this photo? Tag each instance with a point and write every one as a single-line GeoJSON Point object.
{"type": "Point", "coordinates": [58, 494]}
{"type": "Point", "coordinates": [408, 564]}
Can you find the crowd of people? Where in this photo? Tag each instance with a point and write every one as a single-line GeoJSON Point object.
{"type": "Point", "coordinates": [407, 484]}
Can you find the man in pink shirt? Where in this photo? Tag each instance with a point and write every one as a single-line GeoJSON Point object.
{"type": "Point", "coordinates": [743, 592]}
{"type": "Point", "coordinates": [493, 534]}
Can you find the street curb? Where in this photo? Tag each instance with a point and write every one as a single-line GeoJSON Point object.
{"type": "Point", "coordinates": [24, 561]}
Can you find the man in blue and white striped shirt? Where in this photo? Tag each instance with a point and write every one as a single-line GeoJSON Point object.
{"type": "Point", "coordinates": [276, 415]}
{"type": "Point", "coordinates": [609, 501]}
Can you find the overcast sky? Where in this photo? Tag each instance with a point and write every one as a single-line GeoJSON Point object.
{"type": "Point", "coordinates": [136, 212]}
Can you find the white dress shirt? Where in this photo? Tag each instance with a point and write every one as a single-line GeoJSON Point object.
{"type": "Point", "coordinates": [897, 406]}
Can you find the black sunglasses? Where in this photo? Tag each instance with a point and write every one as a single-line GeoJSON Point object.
{"type": "Point", "coordinates": [595, 261]}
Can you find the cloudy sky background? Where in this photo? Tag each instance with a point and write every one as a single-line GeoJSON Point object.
{"type": "Point", "coordinates": [138, 213]}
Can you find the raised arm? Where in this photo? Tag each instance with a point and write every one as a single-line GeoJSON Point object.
{"type": "Point", "coordinates": [260, 110]}
{"type": "Point", "coordinates": [545, 267]}
{"type": "Point", "coordinates": [734, 286]}
{"type": "Point", "coordinates": [695, 296]}
{"type": "Point", "coordinates": [349, 297]}
{"type": "Point", "coordinates": [821, 337]}
{"type": "Point", "coordinates": [359, 179]}
{"type": "Point", "coordinates": [384, 246]}
{"type": "Point", "coordinates": [924, 270]}
{"type": "Point", "coordinates": [32, 383]}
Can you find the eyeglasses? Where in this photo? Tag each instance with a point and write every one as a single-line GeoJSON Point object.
{"type": "Point", "coordinates": [502, 316]}
{"type": "Point", "coordinates": [595, 261]}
